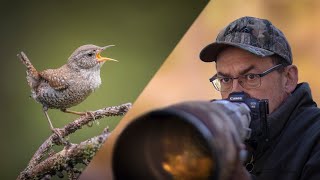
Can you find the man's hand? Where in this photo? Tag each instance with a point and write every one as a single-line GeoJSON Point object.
{"type": "Point", "coordinates": [240, 173]}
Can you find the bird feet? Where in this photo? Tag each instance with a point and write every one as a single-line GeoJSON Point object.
{"type": "Point", "coordinates": [90, 124]}
{"type": "Point", "coordinates": [87, 113]}
{"type": "Point", "coordinates": [55, 130]}
{"type": "Point", "coordinates": [61, 139]}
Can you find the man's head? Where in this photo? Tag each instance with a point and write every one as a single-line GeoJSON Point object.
{"type": "Point", "coordinates": [247, 54]}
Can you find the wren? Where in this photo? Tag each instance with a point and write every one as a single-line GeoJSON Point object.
{"type": "Point", "coordinates": [69, 84]}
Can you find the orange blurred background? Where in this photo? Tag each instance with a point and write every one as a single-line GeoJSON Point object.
{"type": "Point", "coordinates": [184, 77]}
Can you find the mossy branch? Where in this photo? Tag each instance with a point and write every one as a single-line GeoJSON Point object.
{"type": "Point", "coordinates": [72, 154]}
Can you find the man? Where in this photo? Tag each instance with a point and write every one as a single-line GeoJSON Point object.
{"type": "Point", "coordinates": [254, 56]}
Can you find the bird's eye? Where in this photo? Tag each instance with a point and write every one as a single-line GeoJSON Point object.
{"type": "Point", "coordinates": [90, 54]}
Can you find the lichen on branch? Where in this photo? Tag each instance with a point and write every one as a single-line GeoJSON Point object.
{"type": "Point", "coordinates": [44, 164]}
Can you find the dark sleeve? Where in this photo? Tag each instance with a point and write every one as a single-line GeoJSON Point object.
{"type": "Point", "coordinates": [311, 170]}
{"type": "Point", "coordinates": [253, 177]}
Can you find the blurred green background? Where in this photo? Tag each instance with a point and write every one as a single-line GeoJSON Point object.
{"type": "Point", "coordinates": [144, 32]}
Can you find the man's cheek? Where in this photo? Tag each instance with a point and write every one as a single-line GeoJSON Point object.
{"type": "Point", "coordinates": [224, 95]}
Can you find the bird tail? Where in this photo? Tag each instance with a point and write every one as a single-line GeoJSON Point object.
{"type": "Point", "coordinates": [33, 76]}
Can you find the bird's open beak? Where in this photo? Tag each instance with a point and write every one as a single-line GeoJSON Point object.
{"type": "Point", "coordinates": [102, 59]}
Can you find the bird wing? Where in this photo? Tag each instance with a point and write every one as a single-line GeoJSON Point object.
{"type": "Point", "coordinates": [54, 79]}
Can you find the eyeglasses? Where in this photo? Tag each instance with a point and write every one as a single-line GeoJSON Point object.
{"type": "Point", "coordinates": [248, 81]}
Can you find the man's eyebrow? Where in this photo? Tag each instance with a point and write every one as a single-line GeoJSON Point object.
{"type": "Point", "coordinates": [223, 74]}
{"type": "Point", "coordinates": [247, 70]}
{"type": "Point", "coordinates": [242, 72]}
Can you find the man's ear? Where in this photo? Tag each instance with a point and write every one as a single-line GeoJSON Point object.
{"type": "Point", "coordinates": [291, 75]}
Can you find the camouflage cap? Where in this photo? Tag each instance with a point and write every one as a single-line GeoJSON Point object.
{"type": "Point", "coordinates": [255, 35]}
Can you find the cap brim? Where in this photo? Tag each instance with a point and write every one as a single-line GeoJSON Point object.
{"type": "Point", "coordinates": [210, 52]}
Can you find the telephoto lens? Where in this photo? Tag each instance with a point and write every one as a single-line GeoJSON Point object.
{"type": "Point", "coordinates": [190, 140]}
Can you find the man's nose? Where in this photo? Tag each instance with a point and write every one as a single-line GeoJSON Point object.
{"type": "Point", "coordinates": [236, 86]}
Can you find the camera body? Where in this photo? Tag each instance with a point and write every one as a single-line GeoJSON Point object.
{"type": "Point", "coordinates": [259, 110]}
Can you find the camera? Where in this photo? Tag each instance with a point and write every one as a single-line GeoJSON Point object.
{"type": "Point", "coordinates": [259, 109]}
{"type": "Point", "coordinates": [190, 140]}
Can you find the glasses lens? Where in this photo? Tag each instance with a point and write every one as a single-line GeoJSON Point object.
{"type": "Point", "coordinates": [216, 84]}
{"type": "Point", "coordinates": [250, 81]}
{"type": "Point", "coordinates": [222, 84]}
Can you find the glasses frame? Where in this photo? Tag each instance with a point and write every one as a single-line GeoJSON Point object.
{"type": "Point", "coordinates": [215, 77]}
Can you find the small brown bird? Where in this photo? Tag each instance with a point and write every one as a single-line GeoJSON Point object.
{"type": "Point", "coordinates": [68, 85]}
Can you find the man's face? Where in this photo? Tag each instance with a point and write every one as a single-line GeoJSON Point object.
{"type": "Point", "coordinates": [233, 62]}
